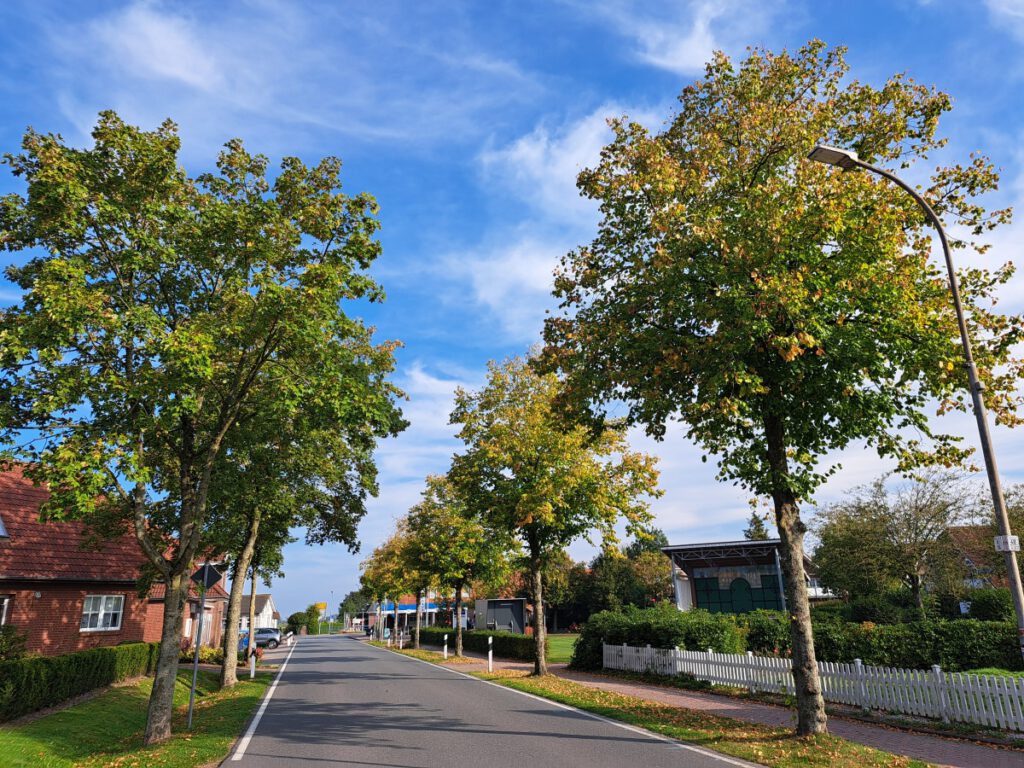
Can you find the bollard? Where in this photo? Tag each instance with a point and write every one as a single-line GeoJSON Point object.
{"type": "Point", "coordinates": [446, 647]}
{"type": "Point", "coordinates": [252, 666]}
{"type": "Point", "coordinates": [400, 639]}
{"type": "Point", "coordinates": [490, 653]}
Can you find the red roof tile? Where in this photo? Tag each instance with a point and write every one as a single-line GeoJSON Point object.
{"type": "Point", "coordinates": [52, 550]}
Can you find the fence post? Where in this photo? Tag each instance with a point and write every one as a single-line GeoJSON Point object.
{"type": "Point", "coordinates": [446, 647]}
{"type": "Point", "coordinates": [490, 653]}
{"type": "Point", "coordinates": [676, 660]}
{"type": "Point", "coordinates": [940, 685]}
{"type": "Point", "coordinates": [625, 667]}
{"type": "Point", "coordinates": [862, 687]}
{"type": "Point", "coordinates": [749, 673]}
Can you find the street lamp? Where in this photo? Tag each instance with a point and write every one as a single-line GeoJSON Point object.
{"type": "Point", "coordinates": [1008, 544]}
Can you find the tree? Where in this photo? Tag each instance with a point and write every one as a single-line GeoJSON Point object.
{"type": "Point", "coordinates": [156, 306]}
{"type": "Point", "coordinates": [652, 574]}
{"type": "Point", "coordinates": [652, 540]}
{"type": "Point", "coordinates": [756, 530]}
{"type": "Point", "coordinates": [386, 572]}
{"type": "Point", "coordinates": [881, 535]}
{"type": "Point", "coordinates": [452, 544]}
{"type": "Point", "coordinates": [528, 471]}
{"type": "Point", "coordinates": [354, 602]}
{"type": "Point", "coordinates": [778, 308]}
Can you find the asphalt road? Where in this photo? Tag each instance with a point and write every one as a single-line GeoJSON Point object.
{"type": "Point", "coordinates": [340, 702]}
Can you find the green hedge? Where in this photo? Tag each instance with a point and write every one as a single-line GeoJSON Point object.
{"type": "Point", "coordinates": [36, 682]}
{"type": "Point", "coordinates": [507, 645]}
{"type": "Point", "coordinates": [955, 645]}
{"type": "Point", "coordinates": [659, 627]}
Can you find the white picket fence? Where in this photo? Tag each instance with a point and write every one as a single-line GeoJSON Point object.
{"type": "Point", "coordinates": [989, 700]}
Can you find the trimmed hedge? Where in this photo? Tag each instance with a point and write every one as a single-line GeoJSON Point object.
{"type": "Point", "coordinates": [36, 682]}
{"type": "Point", "coordinates": [955, 645]}
{"type": "Point", "coordinates": [507, 645]}
{"type": "Point", "coordinates": [658, 627]}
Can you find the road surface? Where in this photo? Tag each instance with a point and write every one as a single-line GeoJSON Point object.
{"type": "Point", "coordinates": [339, 702]}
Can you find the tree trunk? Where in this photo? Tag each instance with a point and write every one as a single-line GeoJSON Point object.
{"type": "Point", "coordinates": [161, 700]}
{"type": "Point", "coordinates": [540, 664]}
{"type": "Point", "coordinates": [419, 616]}
{"type": "Point", "coordinates": [250, 647]}
{"type": "Point", "coordinates": [811, 718]}
{"type": "Point", "coordinates": [229, 668]}
{"type": "Point", "coordinates": [915, 590]}
{"type": "Point", "coordinates": [458, 618]}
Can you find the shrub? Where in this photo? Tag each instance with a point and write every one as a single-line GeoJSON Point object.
{"type": "Point", "coordinates": [991, 605]}
{"type": "Point", "coordinates": [507, 645]}
{"type": "Point", "coordinates": [207, 655]}
{"type": "Point", "coordinates": [767, 632]}
{"type": "Point", "coordinates": [12, 643]}
{"type": "Point", "coordinates": [658, 627]}
{"type": "Point", "coordinates": [36, 682]}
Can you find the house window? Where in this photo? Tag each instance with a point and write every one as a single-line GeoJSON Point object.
{"type": "Point", "coordinates": [102, 613]}
{"type": "Point", "coordinates": [5, 601]}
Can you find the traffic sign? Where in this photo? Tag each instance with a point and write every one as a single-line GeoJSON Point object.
{"type": "Point", "coordinates": [206, 576]}
{"type": "Point", "coordinates": [1007, 544]}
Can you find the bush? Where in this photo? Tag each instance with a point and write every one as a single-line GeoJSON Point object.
{"type": "Point", "coordinates": [658, 627]}
{"type": "Point", "coordinates": [207, 655]}
{"type": "Point", "coordinates": [991, 605]}
{"type": "Point", "coordinates": [36, 682]}
{"type": "Point", "coordinates": [767, 632]}
{"type": "Point", "coordinates": [507, 645]}
{"type": "Point", "coordinates": [954, 645]}
{"type": "Point", "coordinates": [12, 643]}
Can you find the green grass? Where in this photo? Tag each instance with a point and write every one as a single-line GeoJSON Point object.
{"type": "Point", "coordinates": [107, 730]}
{"type": "Point", "coordinates": [326, 628]}
{"type": "Point", "coordinates": [560, 648]}
{"type": "Point", "coordinates": [775, 747]}
{"type": "Point", "coordinates": [995, 671]}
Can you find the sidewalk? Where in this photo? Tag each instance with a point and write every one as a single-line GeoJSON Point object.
{"type": "Point", "coordinates": [937, 750]}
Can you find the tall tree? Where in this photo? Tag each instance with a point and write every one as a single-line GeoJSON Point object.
{"type": "Point", "coordinates": [528, 471]}
{"type": "Point", "coordinates": [880, 536]}
{"type": "Point", "coordinates": [386, 574]}
{"type": "Point", "coordinates": [452, 544]}
{"type": "Point", "coordinates": [756, 530]}
{"type": "Point", "coordinates": [155, 307]}
{"type": "Point", "coordinates": [780, 309]}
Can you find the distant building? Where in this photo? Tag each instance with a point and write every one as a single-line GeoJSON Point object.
{"type": "Point", "coordinates": [732, 576]}
{"type": "Point", "coordinates": [266, 612]}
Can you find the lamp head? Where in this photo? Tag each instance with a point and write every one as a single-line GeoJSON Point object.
{"type": "Point", "coordinates": [843, 158]}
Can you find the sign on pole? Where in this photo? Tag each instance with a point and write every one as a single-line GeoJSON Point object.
{"type": "Point", "coordinates": [205, 577]}
{"type": "Point", "coordinates": [1007, 544]}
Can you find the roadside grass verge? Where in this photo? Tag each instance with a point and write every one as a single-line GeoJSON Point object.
{"type": "Point", "coordinates": [560, 648]}
{"type": "Point", "coordinates": [431, 656]}
{"type": "Point", "coordinates": [107, 730]}
{"type": "Point", "coordinates": [995, 671]}
{"type": "Point", "coordinates": [775, 747]}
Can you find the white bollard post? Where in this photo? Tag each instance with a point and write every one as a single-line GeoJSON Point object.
{"type": "Point", "coordinates": [490, 654]}
{"type": "Point", "coordinates": [252, 666]}
{"type": "Point", "coordinates": [400, 639]}
{"type": "Point", "coordinates": [446, 647]}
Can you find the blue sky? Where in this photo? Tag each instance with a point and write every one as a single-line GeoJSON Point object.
{"type": "Point", "coordinates": [469, 122]}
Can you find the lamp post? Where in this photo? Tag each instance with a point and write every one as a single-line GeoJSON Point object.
{"type": "Point", "coordinates": [1005, 542]}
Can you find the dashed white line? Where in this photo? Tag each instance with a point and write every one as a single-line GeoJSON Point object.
{"type": "Point", "coordinates": [244, 743]}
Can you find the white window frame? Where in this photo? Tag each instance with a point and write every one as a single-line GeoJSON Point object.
{"type": "Point", "coordinates": [5, 604]}
{"type": "Point", "coordinates": [104, 609]}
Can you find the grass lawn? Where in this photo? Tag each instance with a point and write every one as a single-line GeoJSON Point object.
{"type": "Point", "coordinates": [425, 655]}
{"type": "Point", "coordinates": [776, 747]}
{"type": "Point", "coordinates": [560, 648]}
{"type": "Point", "coordinates": [995, 671]}
{"type": "Point", "coordinates": [107, 730]}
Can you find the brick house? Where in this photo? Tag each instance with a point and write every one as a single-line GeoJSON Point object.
{"type": "Point", "coordinates": [68, 598]}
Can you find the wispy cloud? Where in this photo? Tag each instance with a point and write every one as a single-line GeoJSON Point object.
{"type": "Point", "coordinates": [680, 37]}
{"type": "Point", "coordinates": [1008, 15]}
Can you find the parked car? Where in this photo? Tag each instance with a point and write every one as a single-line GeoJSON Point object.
{"type": "Point", "coordinates": [265, 636]}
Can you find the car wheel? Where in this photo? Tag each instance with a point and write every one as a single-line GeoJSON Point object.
{"type": "Point", "coordinates": [272, 644]}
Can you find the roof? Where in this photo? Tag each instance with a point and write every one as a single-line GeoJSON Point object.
{"type": "Point", "coordinates": [216, 593]}
{"type": "Point", "coordinates": [53, 551]}
{"type": "Point", "coordinates": [726, 553]}
{"type": "Point", "coordinates": [261, 602]}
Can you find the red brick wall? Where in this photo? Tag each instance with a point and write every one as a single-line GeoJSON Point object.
{"type": "Point", "coordinates": [51, 621]}
{"type": "Point", "coordinates": [153, 623]}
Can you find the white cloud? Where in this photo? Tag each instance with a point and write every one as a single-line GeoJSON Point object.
{"type": "Point", "coordinates": [1008, 14]}
{"type": "Point", "coordinates": [680, 37]}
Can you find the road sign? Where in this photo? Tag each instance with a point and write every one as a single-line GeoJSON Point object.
{"type": "Point", "coordinates": [1007, 544]}
{"type": "Point", "coordinates": [206, 576]}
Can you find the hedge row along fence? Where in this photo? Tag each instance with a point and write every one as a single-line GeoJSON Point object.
{"type": "Point", "coordinates": [507, 645]}
{"type": "Point", "coordinates": [36, 682]}
{"type": "Point", "coordinates": [955, 645]}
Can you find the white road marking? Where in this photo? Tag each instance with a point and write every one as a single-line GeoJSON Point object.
{"type": "Point", "coordinates": [650, 734]}
{"type": "Point", "coordinates": [244, 743]}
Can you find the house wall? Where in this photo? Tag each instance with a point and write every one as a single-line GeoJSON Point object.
{"type": "Point", "coordinates": [214, 619]}
{"type": "Point", "coordinates": [51, 621]}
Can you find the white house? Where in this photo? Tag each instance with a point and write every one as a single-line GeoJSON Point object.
{"type": "Point", "coordinates": [266, 612]}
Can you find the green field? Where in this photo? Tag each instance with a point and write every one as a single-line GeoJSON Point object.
{"type": "Point", "coordinates": [560, 648]}
{"type": "Point", "coordinates": [107, 730]}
